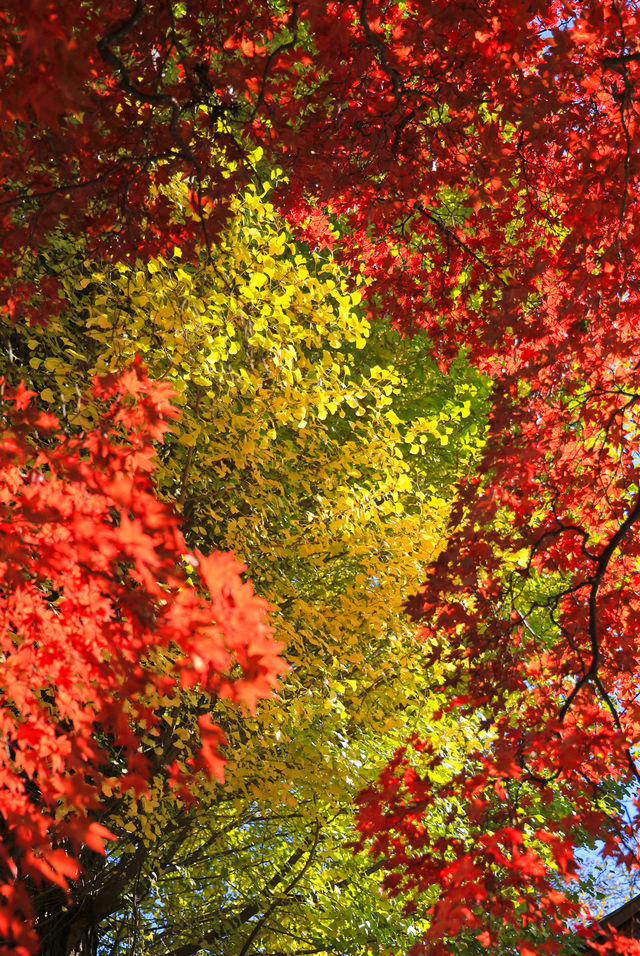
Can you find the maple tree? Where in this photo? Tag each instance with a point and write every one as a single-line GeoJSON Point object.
{"type": "Point", "coordinates": [481, 161]}
{"type": "Point", "coordinates": [95, 605]}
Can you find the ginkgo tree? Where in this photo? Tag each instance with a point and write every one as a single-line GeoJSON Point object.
{"type": "Point", "coordinates": [319, 448]}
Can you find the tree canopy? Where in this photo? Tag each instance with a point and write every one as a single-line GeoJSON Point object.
{"type": "Point", "coordinates": [320, 448]}
{"type": "Point", "coordinates": [471, 170]}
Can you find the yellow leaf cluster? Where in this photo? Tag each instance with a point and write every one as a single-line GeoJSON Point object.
{"type": "Point", "coordinates": [313, 445]}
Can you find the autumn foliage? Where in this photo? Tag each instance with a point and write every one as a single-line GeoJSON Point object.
{"type": "Point", "coordinates": [96, 604]}
{"type": "Point", "coordinates": [477, 164]}
{"type": "Point", "coordinates": [323, 450]}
